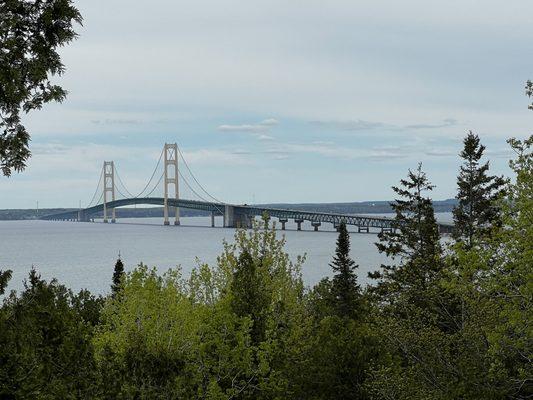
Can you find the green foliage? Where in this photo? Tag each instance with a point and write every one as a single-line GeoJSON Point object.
{"type": "Point", "coordinates": [436, 326]}
{"type": "Point", "coordinates": [118, 274]}
{"type": "Point", "coordinates": [529, 92]}
{"type": "Point", "coordinates": [5, 276]}
{"type": "Point", "coordinates": [30, 34]}
{"type": "Point", "coordinates": [45, 342]}
{"type": "Point", "coordinates": [227, 332]}
{"type": "Point", "coordinates": [345, 291]}
{"type": "Point", "coordinates": [476, 212]}
{"type": "Point", "coordinates": [414, 241]}
{"type": "Point", "coordinates": [250, 297]}
{"type": "Point", "coordinates": [339, 346]}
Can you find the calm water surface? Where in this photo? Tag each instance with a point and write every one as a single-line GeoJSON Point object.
{"type": "Point", "coordinates": [82, 255]}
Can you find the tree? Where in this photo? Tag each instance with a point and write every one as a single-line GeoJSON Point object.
{"type": "Point", "coordinates": [45, 342]}
{"type": "Point", "coordinates": [340, 346]}
{"type": "Point", "coordinates": [118, 275]}
{"type": "Point", "coordinates": [250, 295]}
{"type": "Point", "coordinates": [5, 276]}
{"type": "Point", "coordinates": [507, 284]}
{"type": "Point", "coordinates": [345, 291]}
{"type": "Point", "coordinates": [30, 34]}
{"type": "Point", "coordinates": [476, 212]}
{"type": "Point", "coordinates": [529, 92]}
{"type": "Point", "coordinates": [414, 240]}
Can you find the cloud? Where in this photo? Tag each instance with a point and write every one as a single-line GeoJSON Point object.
{"type": "Point", "coordinates": [356, 125]}
{"type": "Point", "coordinates": [269, 122]}
{"type": "Point", "coordinates": [125, 121]}
{"type": "Point", "coordinates": [260, 127]}
{"type": "Point", "coordinates": [364, 125]}
{"type": "Point", "coordinates": [264, 137]}
{"type": "Point", "coordinates": [217, 157]}
{"type": "Point", "coordinates": [441, 153]}
{"type": "Point", "coordinates": [444, 124]}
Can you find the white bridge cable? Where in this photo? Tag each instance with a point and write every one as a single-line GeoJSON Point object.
{"type": "Point", "coordinates": [196, 193]}
{"type": "Point", "coordinates": [119, 179]}
{"type": "Point", "coordinates": [156, 185]}
{"type": "Point", "coordinates": [152, 177]}
{"type": "Point", "coordinates": [123, 186]}
{"type": "Point", "coordinates": [196, 180]}
{"type": "Point", "coordinates": [122, 194]}
{"type": "Point", "coordinates": [96, 191]}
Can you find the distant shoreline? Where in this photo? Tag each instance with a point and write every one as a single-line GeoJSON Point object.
{"type": "Point", "coordinates": [364, 207]}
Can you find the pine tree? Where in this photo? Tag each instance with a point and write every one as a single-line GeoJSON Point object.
{"type": "Point", "coordinates": [250, 296]}
{"type": "Point", "coordinates": [414, 240]}
{"type": "Point", "coordinates": [5, 276]}
{"type": "Point", "coordinates": [476, 211]}
{"type": "Point", "coordinates": [345, 292]}
{"type": "Point", "coordinates": [117, 276]}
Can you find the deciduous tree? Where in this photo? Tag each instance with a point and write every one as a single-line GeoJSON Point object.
{"type": "Point", "coordinates": [31, 32]}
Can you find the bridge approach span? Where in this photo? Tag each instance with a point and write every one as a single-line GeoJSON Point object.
{"type": "Point", "coordinates": [240, 216]}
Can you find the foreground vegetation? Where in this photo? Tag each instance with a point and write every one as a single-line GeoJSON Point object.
{"type": "Point", "coordinates": [443, 322]}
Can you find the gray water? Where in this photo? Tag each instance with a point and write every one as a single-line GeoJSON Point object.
{"type": "Point", "coordinates": [82, 255]}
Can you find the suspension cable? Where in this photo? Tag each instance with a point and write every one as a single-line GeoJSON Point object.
{"type": "Point", "coordinates": [97, 187]}
{"type": "Point", "coordinates": [122, 183]}
{"type": "Point", "coordinates": [196, 180]}
{"type": "Point", "coordinates": [152, 177]}
{"type": "Point", "coordinates": [156, 185]}
{"type": "Point", "coordinates": [119, 192]}
{"type": "Point", "coordinates": [194, 191]}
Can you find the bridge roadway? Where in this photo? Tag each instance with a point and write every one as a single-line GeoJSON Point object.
{"type": "Point", "coordinates": [240, 216]}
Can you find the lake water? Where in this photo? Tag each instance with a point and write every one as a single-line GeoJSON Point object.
{"type": "Point", "coordinates": [82, 255]}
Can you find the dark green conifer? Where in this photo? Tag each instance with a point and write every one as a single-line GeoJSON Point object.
{"type": "Point", "coordinates": [345, 291]}
{"type": "Point", "coordinates": [117, 276]}
{"type": "Point", "coordinates": [5, 276]}
{"type": "Point", "coordinates": [477, 212]}
{"type": "Point", "coordinates": [414, 242]}
{"type": "Point", "coordinates": [250, 296]}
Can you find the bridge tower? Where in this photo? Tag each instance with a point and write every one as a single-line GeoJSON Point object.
{"type": "Point", "coordinates": [109, 188]}
{"type": "Point", "coordinates": [171, 178]}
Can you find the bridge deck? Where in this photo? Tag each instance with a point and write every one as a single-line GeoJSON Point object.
{"type": "Point", "coordinates": [365, 221]}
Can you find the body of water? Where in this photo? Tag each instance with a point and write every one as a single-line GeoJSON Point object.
{"type": "Point", "coordinates": [82, 255]}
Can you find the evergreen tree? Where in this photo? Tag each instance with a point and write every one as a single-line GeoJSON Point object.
{"type": "Point", "coordinates": [414, 240]}
{"type": "Point", "coordinates": [340, 348]}
{"type": "Point", "coordinates": [345, 292]}
{"type": "Point", "coordinates": [45, 342]}
{"type": "Point", "coordinates": [117, 276]}
{"type": "Point", "coordinates": [5, 276]}
{"type": "Point", "coordinates": [476, 212]}
{"type": "Point", "coordinates": [250, 297]}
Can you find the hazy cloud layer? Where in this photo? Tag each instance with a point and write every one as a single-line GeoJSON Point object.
{"type": "Point", "coordinates": [362, 91]}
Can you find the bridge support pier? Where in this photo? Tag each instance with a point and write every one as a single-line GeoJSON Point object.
{"type": "Point", "coordinates": [235, 219]}
{"type": "Point", "coordinates": [363, 228]}
{"type": "Point", "coordinates": [298, 224]}
{"type": "Point", "coordinates": [283, 221]}
{"type": "Point", "coordinates": [336, 225]}
{"type": "Point", "coordinates": [212, 219]}
{"type": "Point", "coordinates": [316, 225]}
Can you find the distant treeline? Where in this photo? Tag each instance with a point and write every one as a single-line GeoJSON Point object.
{"type": "Point", "coordinates": [364, 207]}
{"type": "Point", "coordinates": [18, 214]}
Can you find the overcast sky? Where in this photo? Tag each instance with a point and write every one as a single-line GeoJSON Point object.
{"type": "Point", "coordinates": [281, 101]}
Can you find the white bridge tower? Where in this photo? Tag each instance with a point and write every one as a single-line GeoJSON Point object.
{"type": "Point", "coordinates": [171, 178]}
{"type": "Point", "coordinates": [109, 188]}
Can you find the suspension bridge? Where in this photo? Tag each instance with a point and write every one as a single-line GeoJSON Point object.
{"type": "Point", "coordinates": [174, 189]}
